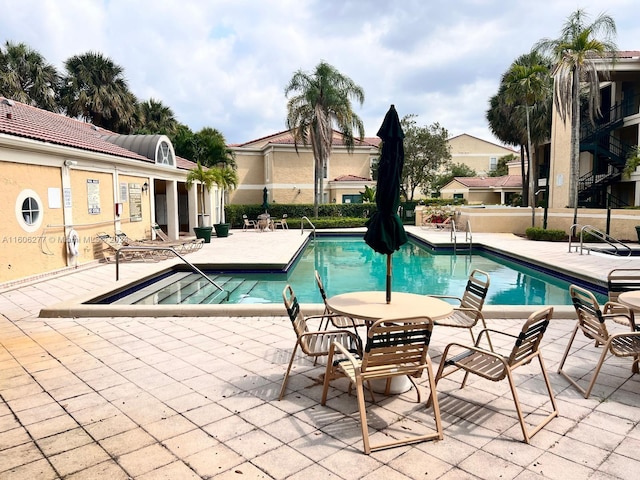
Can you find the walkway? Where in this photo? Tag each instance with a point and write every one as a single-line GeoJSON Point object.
{"type": "Point", "coordinates": [176, 397]}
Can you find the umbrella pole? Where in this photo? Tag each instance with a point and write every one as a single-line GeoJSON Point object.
{"type": "Point", "coordinates": [388, 278]}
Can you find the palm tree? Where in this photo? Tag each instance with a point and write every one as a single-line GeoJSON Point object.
{"type": "Point", "coordinates": [154, 117]}
{"type": "Point", "coordinates": [207, 178]}
{"type": "Point", "coordinates": [322, 101]}
{"type": "Point", "coordinates": [226, 178]}
{"type": "Point", "coordinates": [26, 77]}
{"type": "Point", "coordinates": [528, 82]}
{"type": "Point", "coordinates": [95, 89]}
{"type": "Point", "coordinates": [574, 55]}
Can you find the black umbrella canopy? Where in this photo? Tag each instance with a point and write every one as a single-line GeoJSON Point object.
{"type": "Point", "coordinates": [385, 232]}
{"type": "Point", "coordinates": [265, 196]}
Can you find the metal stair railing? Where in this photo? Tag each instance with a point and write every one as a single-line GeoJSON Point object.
{"type": "Point", "coordinates": [310, 223]}
{"type": "Point", "coordinates": [608, 239]}
{"type": "Point", "coordinates": [468, 236]}
{"type": "Point", "coordinates": [165, 249]}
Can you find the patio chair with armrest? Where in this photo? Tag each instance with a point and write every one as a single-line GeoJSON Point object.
{"type": "Point", "coordinates": [496, 367]}
{"type": "Point", "coordinates": [469, 309]}
{"type": "Point", "coordinates": [592, 322]}
{"type": "Point", "coordinates": [620, 280]}
{"type": "Point", "coordinates": [115, 245]}
{"type": "Point", "coordinates": [248, 224]}
{"type": "Point", "coordinates": [282, 223]}
{"type": "Point", "coordinates": [312, 343]}
{"type": "Point", "coordinates": [395, 347]}
{"type": "Point", "coordinates": [182, 247]}
{"type": "Point", "coordinates": [338, 321]}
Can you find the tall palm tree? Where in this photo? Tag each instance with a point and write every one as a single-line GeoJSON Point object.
{"type": "Point", "coordinates": [574, 54]}
{"type": "Point", "coordinates": [25, 76]}
{"type": "Point", "coordinates": [322, 102]}
{"type": "Point", "coordinates": [527, 83]}
{"type": "Point", "coordinates": [154, 117]}
{"type": "Point", "coordinates": [95, 89]}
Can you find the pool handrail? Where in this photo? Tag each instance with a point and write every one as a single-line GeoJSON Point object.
{"type": "Point", "coordinates": [169, 249]}
{"type": "Point", "coordinates": [590, 229]}
{"type": "Point", "coordinates": [302, 226]}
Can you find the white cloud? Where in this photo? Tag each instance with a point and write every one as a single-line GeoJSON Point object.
{"type": "Point", "coordinates": [225, 64]}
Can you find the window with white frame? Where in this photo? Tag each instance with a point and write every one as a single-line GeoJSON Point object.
{"type": "Point", "coordinates": [493, 163]}
{"type": "Point", "coordinates": [164, 155]}
{"type": "Point", "coordinates": [28, 210]}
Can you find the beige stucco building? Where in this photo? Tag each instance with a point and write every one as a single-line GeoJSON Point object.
{"type": "Point", "coordinates": [604, 147]}
{"type": "Point", "coordinates": [273, 163]}
{"type": "Point", "coordinates": [61, 175]}
{"type": "Point", "coordinates": [480, 155]}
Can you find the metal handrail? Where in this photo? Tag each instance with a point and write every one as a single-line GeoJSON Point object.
{"type": "Point", "coordinates": [590, 229]}
{"type": "Point", "coordinates": [468, 236]}
{"type": "Point", "coordinates": [453, 235]}
{"type": "Point", "coordinates": [312, 226]}
{"type": "Point", "coordinates": [166, 249]}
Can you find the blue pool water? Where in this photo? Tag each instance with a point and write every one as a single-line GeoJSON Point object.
{"type": "Point", "coordinates": [348, 264]}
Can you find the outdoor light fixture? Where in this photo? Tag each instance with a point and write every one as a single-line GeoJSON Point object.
{"type": "Point", "coordinates": [145, 187]}
{"type": "Point", "coordinates": [70, 163]}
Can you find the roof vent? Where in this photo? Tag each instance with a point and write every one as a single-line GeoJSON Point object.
{"type": "Point", "coordinates": [7, 101]}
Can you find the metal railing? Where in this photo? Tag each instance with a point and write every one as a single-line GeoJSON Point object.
{"type": "Point", "coordinates": [310, 223]}
{"type": "Point", "coordinates": [133, 248]}
{"type": "Point", "coordinates": [468, 235]}
{"type": "Point", "coordinates": [617, 245]}
{"type": "Point", "coordinates": [453, 236]}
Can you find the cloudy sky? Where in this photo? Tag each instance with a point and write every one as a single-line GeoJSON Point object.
{"type": "Point", "coordinates": [225, 63]}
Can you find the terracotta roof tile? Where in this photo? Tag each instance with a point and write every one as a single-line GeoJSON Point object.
{"type": "Point", "coordinates": [351, 178]}
{"type": "Point", "coordinates": [22, 120]}
{"type": "Point", "coordinates": [509, 181]}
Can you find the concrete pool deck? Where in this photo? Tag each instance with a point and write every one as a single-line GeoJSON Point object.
{"type": "Point", "coordinates": [196, 397]}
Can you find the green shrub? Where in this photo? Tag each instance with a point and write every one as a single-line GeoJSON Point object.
{"type": "Point", "coordinates": [538, 233]}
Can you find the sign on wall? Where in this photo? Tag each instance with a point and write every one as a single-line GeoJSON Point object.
{"type": "Point", "coordinates": [123, 193]}
{"type": "Point", "coordinates": [93, 196]}
{"type": "Point", "coordinates": [135, 202]}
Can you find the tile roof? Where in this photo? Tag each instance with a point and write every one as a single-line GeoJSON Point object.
{"type": "Point", "coordinates": [284, 137]}
{"type": "Point", "coordinates": [22, 120]}
{"type": "Point", "coordinates": [508, 181]}
{"type": "Point", "coordinates": [351, 178]}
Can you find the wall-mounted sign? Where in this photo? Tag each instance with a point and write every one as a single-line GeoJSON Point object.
{"type": "Point", "coordinates": [123, 193]}
{"type": "Point", "coordinates": [66, 193]}
{"type": "Point", "coordinates": [135, 202]}
{"type": "Point", "coordinates": [93, 196]}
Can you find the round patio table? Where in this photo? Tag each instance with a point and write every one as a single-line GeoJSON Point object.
{"type": "Point", "coordinates": [630, 299]}
{"type": "Point", "coordinates": [371, 306]}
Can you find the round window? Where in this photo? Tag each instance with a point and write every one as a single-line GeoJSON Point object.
{"type": "Point", "coordinates": [29, 210]}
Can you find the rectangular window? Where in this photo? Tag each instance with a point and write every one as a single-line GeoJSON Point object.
{"type": "Point", "coordinates": [493, 164]}
{"type": "Point", "coordinates": [352, 198]}
{"type": "Point", "coordinates": [458, 196]}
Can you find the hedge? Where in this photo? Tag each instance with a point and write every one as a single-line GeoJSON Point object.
{"type": "Point", "coordinates": [537, 233]}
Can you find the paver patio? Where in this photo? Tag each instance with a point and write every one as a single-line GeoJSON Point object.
{"type": "Point", "coordinates": [196, 397]}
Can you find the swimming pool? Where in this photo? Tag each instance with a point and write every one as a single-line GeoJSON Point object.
{"type": "Point", "coordinates": [346, 264]}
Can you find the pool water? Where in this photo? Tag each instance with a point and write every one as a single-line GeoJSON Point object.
{"type": "Point", "coordinates": [348, 264]}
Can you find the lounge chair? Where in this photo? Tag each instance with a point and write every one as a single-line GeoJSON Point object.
{"type": "Point", "coordinates": [115, 246]}
{"type": "Point", "coordinates": [312, 343]}
{"type": "Point", "coordinates": [395, 347]}
{"type": "Point", "coordinates": [592, 322]}
{"type": "Point", "coordinates": [496, 367]}
{"type": "Point", "coordinates": [469, 309]}
{"type": "Point", "coordinates": [182, 247]}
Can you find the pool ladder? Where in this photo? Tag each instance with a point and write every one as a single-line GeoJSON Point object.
{"type": "Point", "coordinates": [312, 226]}
{"type": "Point", "coordinates": [166, 249]}
{"type": "Point", "coordinates": [468, 235]}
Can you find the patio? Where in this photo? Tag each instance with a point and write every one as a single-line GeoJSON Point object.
{"type": "Point", "coordinates": [196, 397]}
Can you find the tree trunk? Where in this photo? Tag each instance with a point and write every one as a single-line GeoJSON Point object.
{"type": "Point", "coordinates": [575, 145]}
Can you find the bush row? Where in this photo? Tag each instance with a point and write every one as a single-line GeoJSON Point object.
{"type": "Point", "coordinates": [538, 233]}
{"type": "Point", "coordinates": [332, 215]}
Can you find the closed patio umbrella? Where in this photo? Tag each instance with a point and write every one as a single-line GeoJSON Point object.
{"type": "Point", "coordinates": [265, 203]}
{"type": "Point", "coordinates": [385, 232]}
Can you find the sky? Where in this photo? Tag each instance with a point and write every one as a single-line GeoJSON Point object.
{"type": "Point", "coordinates": [225, 63]}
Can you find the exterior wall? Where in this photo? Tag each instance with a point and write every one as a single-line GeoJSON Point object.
{"type": "Point", "coordinates": [476, 153]}
{"type": "Point", "coordinates": [517, 219]}
{"type": "Point", "coordinates": [289, 175]}
{"type": "Point", "coordinates": [24, 253]}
